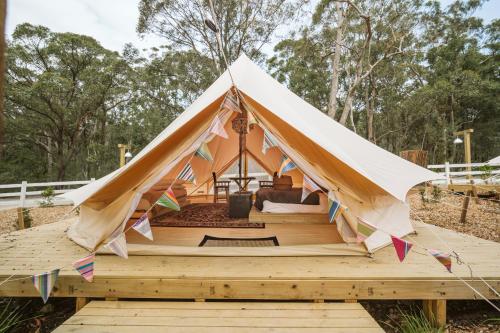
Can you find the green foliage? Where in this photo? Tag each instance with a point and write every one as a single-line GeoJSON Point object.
{"type": "Point", "coordinates": [48, 197]}
{"type": "Point", "coordinates": [10, 315]}
{"type": "Point", "coordinates": [416, 322]}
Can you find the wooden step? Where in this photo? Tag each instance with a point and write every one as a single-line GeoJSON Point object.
{"type": "Point", "coordinates": [204, 317]}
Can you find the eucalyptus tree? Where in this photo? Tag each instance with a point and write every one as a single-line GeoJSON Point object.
{"type": "Point", "coordinates": [60, 90]}
{"type": "Point", "coordinates": [245, 26]}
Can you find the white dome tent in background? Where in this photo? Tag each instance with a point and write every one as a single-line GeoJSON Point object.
{"type": "Point", "coordinates": [494, 161]}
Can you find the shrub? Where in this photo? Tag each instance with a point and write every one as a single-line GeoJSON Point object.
{"type": "Point", "coordinates": [416, 322]}
{"type": "Point", "coordinates": [48, 197]}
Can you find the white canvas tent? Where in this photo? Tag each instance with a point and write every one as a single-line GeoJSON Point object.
{"type": "Point", "coordinates": [370, 181]}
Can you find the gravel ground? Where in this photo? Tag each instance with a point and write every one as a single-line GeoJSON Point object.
{"type": "Point", "coordinates": [463, 316]}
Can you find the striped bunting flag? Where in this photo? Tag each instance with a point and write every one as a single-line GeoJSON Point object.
{"type": "Point", "coordinates": [118, 246]}
{"type": "Point", "coordinates": [187, 174]}
{"type": "Point", "coordinates": [334, 209]}
{"type": "Point", "coordinates": [204, 153]}
{"type": "Point", "coordinates": [364, 229]}
{"type": "Point", "coordinates": [85, 267]}
{"type": "Point", "coordinates": [268, 142]}
{"type": "Point", "coordinates": [168, 200]}
{"type": "Point", "coordinates": [308, 187]}
{"type": "Point", "coordinates": [251, 119]}
{"type": "Point", "coordinates": [218, 129]}
{"type": "Point", "coordinates": [231, 103]}
{"type": "Point", "coordinates": [143, 227]}
{"type": "Point", "coordinates": [443, 257]}
{"type": "Point", "coordinates": [401, 246]}
{"type": "Point", "coordinates": [45, 282]}
{"type": "Point", "coordinates": [286, 166]}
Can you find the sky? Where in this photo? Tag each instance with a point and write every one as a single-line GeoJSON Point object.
{"type": "Point", "coordinates": [113, 22]}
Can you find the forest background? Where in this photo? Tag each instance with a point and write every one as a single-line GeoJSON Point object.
{"type": "Point", "coordinates": [404, 74]}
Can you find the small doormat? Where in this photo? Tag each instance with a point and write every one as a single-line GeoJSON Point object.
{"type": "Point", "coordinates": [203, 215]}
{"type": "Point", "coordinates": [212, 241]}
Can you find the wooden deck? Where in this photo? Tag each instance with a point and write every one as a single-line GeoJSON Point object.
{"type": "Point", "coordinates": [46, 247]}
{"type": "Point", "coordinates": [221, 317]}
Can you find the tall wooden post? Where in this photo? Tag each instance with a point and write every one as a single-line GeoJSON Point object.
{"type": "Point", "coordinates": [122, 147]}
{"type": "Point", "coordinates": [435, 311]}
{"type": "Point", "coordinates": [467, 148]}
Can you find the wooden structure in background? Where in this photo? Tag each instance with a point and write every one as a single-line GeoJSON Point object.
{"type": "Point", "coordinates": [418, 156]}
{"type": "Point", "coordinates": [221, 317]}
{"type": "Point", "coordinates": [327, 278]}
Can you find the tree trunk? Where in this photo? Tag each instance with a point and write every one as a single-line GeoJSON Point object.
{"type": "Point", "coordinates": [370, 109]}
{"type": "Point", "coordinates": [3, 13]}
{"type": "Point", "coordinates": [347, 106]}
{"type": "Point", "coordinates": [332, 102]}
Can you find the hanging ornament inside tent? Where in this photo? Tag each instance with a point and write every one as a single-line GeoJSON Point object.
{"type": "Point", "coordinates": [231, 103]}
{"type": "Point", "coordinates": [168, 200]}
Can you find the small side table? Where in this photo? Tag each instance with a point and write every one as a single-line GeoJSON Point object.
{"type": "Point", "coordinates": [240, 204]}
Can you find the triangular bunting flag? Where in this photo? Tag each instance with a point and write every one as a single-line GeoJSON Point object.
{"type": "Point", "coordinates": [143, 227]}
{"type": "Point", "coordinates": [231, 103]}
{"type": "Point", "coordinates": [286, 165]}
{"type": "Point", "coordinates": [308, 187]}
{"type": "Point", "coordinates": [168, 200]}
{"type": "Point", "coordinates": [118, 246]}
{"type": "Point", "coordinates": [268, 142]}
{"type": "Point", "coordinates": [443, 257]}
{"type": "Point", "coordinates": [218, 129]}
{"type": "Point", "coordinates": [334, 208]}
{"type": "Point", "coordinates": [251, 119]}
{"type": "Point", "coordinates": [45, 282]}
{"type": "Point", "coordinates": [85, 267]}
{"type": "Point", "coordinates": [364, 230]}
{"type": "Point", "coordinates": [401, 246]}
{"type": "Point", "coordinates": [204, 152]}
{"type": "Point", "coordinates": [187, 174]}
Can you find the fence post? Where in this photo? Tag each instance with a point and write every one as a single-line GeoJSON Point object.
{"type": "Point", "coordinates": [20, 218]}
{"type": "Point", "coordinates": [22, 198]}
{"type": "Point", "coordinates": [447, 172]}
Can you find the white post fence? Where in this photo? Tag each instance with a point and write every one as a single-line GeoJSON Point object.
{"type": "Point", "coordinates": [21, 197]}
{"type": "Point", "coordinates": [491, 176]}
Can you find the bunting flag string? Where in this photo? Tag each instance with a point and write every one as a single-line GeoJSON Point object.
{"type": "Point", "coordinates": [187, 174]}
{"type": "Point", "coordinates": [334, 209]}
{"type": "Point", "coordinates": [401, 246]}
{"type": "Point", "coordinates": [286, 165]}
{"type": "Point", "coordinates": [231, 103]}
{"type": "Point", "coordinates": [308, 187]}
{"type": "Point", "coordinates": [85, 267]}
{"type": "Point", "coordinates": [268, 142]}
{"type": "Point", "coordinates": [118, 246]}
{"type": "Point", "coordinates": [218, 129]}
{"type": "Point", "coordinates": [143, 227]}
{"type": "Point", "coordinates": [168, 200]}
{"type": "Point", "coordinates": [364, 230]}
{"type": "Point", "coordinates": [45, 282]}
{"type": "Point", "coordinates": [204, 152]}
{"type": "Point", "coordinates": [443, 257]}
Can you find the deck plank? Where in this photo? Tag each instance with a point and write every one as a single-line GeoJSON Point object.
{"type": "Point", "coordinates": [42, 248]}
{"type": "Point", "coordinates": [107, 316]}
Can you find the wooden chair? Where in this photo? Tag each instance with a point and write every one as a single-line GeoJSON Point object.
{"type": "Point", "coordinates": [222, 186]}
{"type": "Point", "coordinates": [266, 184]}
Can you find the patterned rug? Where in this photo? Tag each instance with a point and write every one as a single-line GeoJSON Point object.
{"type": "Point", "coordinates": [211, 241]}
{"type": "Point", "coordinates": [203, 215]}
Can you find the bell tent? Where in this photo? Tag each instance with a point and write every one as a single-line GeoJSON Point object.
{"type": "Point", "coordinates": [368, 183]}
